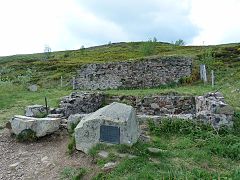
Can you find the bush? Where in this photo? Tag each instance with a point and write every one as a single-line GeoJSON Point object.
{"type": "Point", "coordinates": [27, 135]}
{"type": "Point", "coordinates": [71, 145]}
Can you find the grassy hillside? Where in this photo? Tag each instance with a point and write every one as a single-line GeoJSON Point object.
{"type": "Point", "coordinates": [17, 72]}
{"type": "Point", "coordinates": [190, 151]}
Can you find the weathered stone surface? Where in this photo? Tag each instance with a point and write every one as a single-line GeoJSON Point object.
{"type": "Point", "coordinates": [74, 119]}
{"type": "Point", "coordinates": [82, 103]}
{"type": "Point", "coordinates": [155, 150]}
{"type": "Point", "coordinates": [212, 108]}
{"type": "Point", "coordinates": [147, 72]}
{"type": "Point", "coordinates": [160, 105]}
{"type": "Point", "coordinates": [103, 154]}
{"type": "Point", "coordinates": [35, 111]}
{"type": "Point", "coordinates": [116, 115]}
{"type": "Point", "coordinates": [109, 166]}
{"type": "Point", "coordinates": [41, 126]}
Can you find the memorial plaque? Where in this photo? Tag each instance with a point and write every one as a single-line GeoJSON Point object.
{"type": "Point", "coordinates": [110, 134]}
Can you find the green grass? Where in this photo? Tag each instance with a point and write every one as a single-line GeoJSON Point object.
{"type": "Point", "coordinates": [69, 173]}
{"type": "Point", "coordinates": [14, 99]}
{"type": "Point", "coordinates": [191, 151]}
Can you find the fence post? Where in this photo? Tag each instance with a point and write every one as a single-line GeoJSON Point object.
{"type": "Point", "coordinates": [212, 77]}
{"type": "Point", "coordinates": [73, 82]}
{"type": "Point", "coordinates": [203, 73]}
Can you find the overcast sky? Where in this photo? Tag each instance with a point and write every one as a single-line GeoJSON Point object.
{"type": "Point", "coordinates": [28, 25]}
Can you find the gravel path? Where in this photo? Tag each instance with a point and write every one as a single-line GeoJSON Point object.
{"type": "Point", "coordinates": [44, 159]}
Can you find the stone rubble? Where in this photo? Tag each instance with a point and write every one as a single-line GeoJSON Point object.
{"type": "Point", "coordinates": [81, 103]}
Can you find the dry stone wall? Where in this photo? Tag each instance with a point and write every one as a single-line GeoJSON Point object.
{"type": "Point", "coordinates": [158, 105]}
{"type": "Point", "coordinates": [147, 72]}
{"type": "Point", "coordinates": [209, 108]}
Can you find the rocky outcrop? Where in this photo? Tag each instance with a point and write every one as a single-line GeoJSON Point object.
{"type": "Point", "coordinates": [115, 123]}
{"type": "Point", "coordinates": [41, 126]}
{"type": "Point", "coordinates": [81, 103]}
{"type": "Point", "coordinates": [147, 72]}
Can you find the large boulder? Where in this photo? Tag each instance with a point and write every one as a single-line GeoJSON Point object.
{"type": "Point", "coordinates": [41, 126]}
{"type": "Point", "coordinates": [38, 111]}
{"type": "Point", "coordinates": [115, 124]}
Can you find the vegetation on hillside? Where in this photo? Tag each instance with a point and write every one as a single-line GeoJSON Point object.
{"type": "Point", "coordinates": [191, 151]}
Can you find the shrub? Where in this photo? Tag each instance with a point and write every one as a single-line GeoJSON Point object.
{"type": "Point", "coordinates": [27, 135]}
{"type": "Point", "coordinates": [179, 42]}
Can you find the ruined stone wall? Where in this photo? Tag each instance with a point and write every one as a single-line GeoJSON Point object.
{"type": "Point", "coordinates": [158, 105]}
{"type": "Point", "coordinates": [147, 72]}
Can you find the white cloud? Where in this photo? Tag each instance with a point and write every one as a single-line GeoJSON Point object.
{"type": "Point", "coordinates": [217, 19]}
{"type": "Point", "coordinates": [27, 25]}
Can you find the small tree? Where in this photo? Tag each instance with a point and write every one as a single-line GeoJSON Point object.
{"type": "Point", "coordinates": [47, 52]}
{"type": "Point", "coordinates": [179, 42]}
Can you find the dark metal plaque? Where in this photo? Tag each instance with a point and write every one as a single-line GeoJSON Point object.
{"type": "Point", "coordinates": [110, 134]}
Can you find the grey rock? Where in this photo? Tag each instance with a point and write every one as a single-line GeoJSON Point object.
{"type": "Point", "coordinates": [117, 115]}
{"type": "Point", "coordinates": [13, 166]}
{"type": "Point", "coordinates": [103, 154]}
{"type": "Point", "coordinates": [33, 88]}
{"type": "Point", "coordinates": [154, 106]}
{"type": "Point", "coordinates": [55, 115]}
{"type": "Point", "coordinates": [74, 119]}
{"type": "Point", "coordinates": [155, 150]}
{"type": "Point", "coordinates": [35, 111]}
{"type": "Point", "coordinates": [81, 103]}
{"type": "Point", "coordinates": [41, 126]}
{"type": "Point", "coordinates": [109, 166]}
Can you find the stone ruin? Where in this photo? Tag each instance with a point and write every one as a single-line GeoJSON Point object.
{"type": "Point", "coordinates": [213, 109]}
{"type": "Point", "coordinates": [143, 73]}
{"type": "Point", "coordinates": [209, 108]}
{"type": "Point", "coordinates": [118, 123]}
{"type": "Point", "coordinates": [81, 102]}
{"type": "Point", "coordinates": [115, 123]}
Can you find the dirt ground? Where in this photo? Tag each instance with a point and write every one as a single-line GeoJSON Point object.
{"type": "Point", "coordinates": [43, 160]}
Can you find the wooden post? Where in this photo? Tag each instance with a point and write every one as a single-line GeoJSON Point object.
{"type": "Point", "coordinates": [73, 82]}
{"type": "Point", "coordinates": [46, 104]}
{"type": "Point", "coordinates": [61, 81]}
{"type": "Point", "coordinates": [212, 77]}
